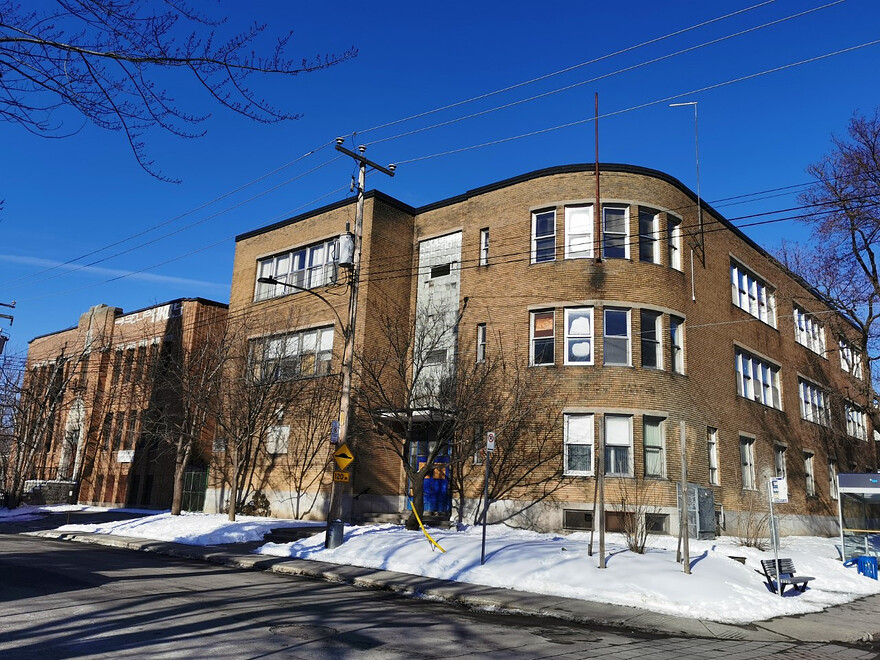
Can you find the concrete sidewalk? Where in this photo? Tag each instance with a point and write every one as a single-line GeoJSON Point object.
{"type": "Point", "coordinates": [852, 623]}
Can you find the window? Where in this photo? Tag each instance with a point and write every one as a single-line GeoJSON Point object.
{"type": "Point", "coordinates": [747, 461]}
{"type": "Point", "coordinates": [219, 445]}
{"type": "Point", "coordinates": [832, 479]}
{"type": "Point", "coordinates": [127, 364]}
{"type": "Point", "coordinates": [436, 356]}
{"type": "Point", "coordinates": [757, 380]}
{"type": "Point", "coordinates": [673, 234]}
{"type": "Point", "coordinates": [481, 342]}
{"type": "Point", "coordinates": [106, 429]}
{"type": "Point", "coordinates": [484, 246]}
{"type": "Point", "coordinates": [578, 232]}
{"type": "Point", "coordinates": [752, 294]}
{"type": "Point", "coordinates": [808, 332]}
{"type": "Point", "coordinates": [441, 270]}
{"type": "Point", "coordinates": [277, 439]}
{"type": "Point", "coordinates": [712, 449]}
{"type": "Point", "coordinates": [809, 477]}
{"type": "Point", "coordinates": [542, 338]}
{"type": "Point", "coordinates": [579, 335]}
{"type": "Point", "coordinates": [652, 355]}
{"type": "Point", "coordinates": [616, 232]}
{"type": "Point", "coordinates": [676, 343]}
{"type": "Point", "coordinates": [655, 460]}
{"type": "Point", "coordinates": [543, 236]}
{"type": "Point", "coordinates": [855, 421]}
{"type": "Point", "coordinates": [850, 359]}
{"type": "Point", "coordinates": [303, 268]}
{"type": "Point", "coordinates": [579, 445]}
{"type": "Point", "coordinates": [648, 250]}
{"type": "Point", "coordinates": [117, 431]}
{"type": "Point", "coordinates": [779, 461]}
{"type": "Point", "coordinates": [814, 407]}
{"type": "Point", "coordinates": [293, 355]}
{"type": "Point", "coordinates": [479, 444]}
{"type": "Point", "coordinates": [618, 445]}
{"type": "Point", "coordinates": [617, 350]}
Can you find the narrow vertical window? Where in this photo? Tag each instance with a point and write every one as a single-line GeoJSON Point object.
{"type": "Point", "coordinates": [676, 343]}
{"type": "Point", "coordinates": [648, 251]}
{"type": "Point", "coordinates": [617, 348]}
{"type": "Point", "coordinates": [618, 445]}
{"type": "Point", "coordinates": [578, 232]}
{"type": "Point", "coordinates": [712, 449]}
{"type": "Point", "coordinates": [655, 462]}
{"type": "Point", "coordinates": [747, 461]}
{"type": "Point", "coordinates": [542, 338]}
{"type": "Point", "coordinates": [615, 221]}
{"type": "Point", "coordinates": [479, 444]}
{"type": "Point", "coordinates": [481, 342]}
{"type": "Point", "coordinates": [578, 458]}
{"type": "Point", "coordinates": [809, 476]}
{"type": "Point", "coordinates": [484, 246]}
{"type": "Point", "coordinates": [543, 236]}
{"type": "Point", "coordinates": [579, 335]}
{"type": "Point", "coordinates": [652, 355]}
{"type": "Point", "coordinates": [832, 479]}
{"type": "Point", "coordinates": [673, 233]}
{"type": "Point", "coordinates": [779, 461]}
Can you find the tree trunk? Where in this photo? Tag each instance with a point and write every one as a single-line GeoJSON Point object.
{"type": "Point", "coordinates": [233, 486]}
{"type": "Point", "coordinates": [180, 466]}
{"type": "Point", "coordinates": [418, 501]}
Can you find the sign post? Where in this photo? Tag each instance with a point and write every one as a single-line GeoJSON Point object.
{"type": "Point", "coordinates": [490, 447]}
{"type": "Point", "coordinates": [778, 492]}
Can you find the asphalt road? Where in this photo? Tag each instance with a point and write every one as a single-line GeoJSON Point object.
{"type": "Point", "coordinates": [60, 600]}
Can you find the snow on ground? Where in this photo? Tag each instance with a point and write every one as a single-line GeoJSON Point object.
{"type": "Point", "coordinates": [718, 589]}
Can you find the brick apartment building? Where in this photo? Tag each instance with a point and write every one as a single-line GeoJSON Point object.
{"type": "Point", "coordinates": [100, 438]}
{"type": "Point", "coordinates": [676, 325]}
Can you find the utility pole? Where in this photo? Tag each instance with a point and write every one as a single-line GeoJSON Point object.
{"type": "Point", "coordinates": [334, 534]}
{"type": "Point", "coordinates": [4, 338]}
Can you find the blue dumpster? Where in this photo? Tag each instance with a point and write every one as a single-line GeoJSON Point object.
{"type": "Point", "coordinates": [867, 566]}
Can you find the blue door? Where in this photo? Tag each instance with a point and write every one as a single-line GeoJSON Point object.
{"type": "Point", "coordinates": [437, 497]}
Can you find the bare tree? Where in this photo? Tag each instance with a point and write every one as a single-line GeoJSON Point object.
{"type": "Point", "coordinates": [108, 62]}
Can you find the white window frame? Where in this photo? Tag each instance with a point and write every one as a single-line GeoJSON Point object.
{"type": "Point", "coordinates": [628, 337]}
{"type": "Point", "coordinates": [676, 343]}
{"type": "Point", "coordinates": [484, 246]}
{"type": "Point", "coordinates": [814, 402]}
{"type": "Point", "coordinates": [481, 342]}
{"type": "Point", "coordinates": [583, 239]}
{"type": "Point", "coordinates": [779, 461]}
{"type": "Point", "coordinates": [747, 462]}
{"type": "Point", "coordinates": [712, 451]}
{"type": "Point", "coordinates": [543, 237]}
{"type": "Point", "coordinates": [850, 359]}
{"type": "Point", "coordinates": [651, 238]}
{"type": "Point", "coordinates": [606, 233]}
{"type": "Point", "coordinates": [752, 294]}
{"type": "Point", "coordinates": [673, 232]}
{"type": "Point", "coordinates": [585, 438]}
{"type": "Point", "coordinates": [808, 331]}
{"type": "Point", "coordinates": [612, 441]}
{"type": "Point", "coordinates": [833, 489]}
{"type": "Point", "coordinates": [657, 343]}
{"type": "Point", "coordinates": [809, 474]}
{"type": "Point", "coordinates": [657, 449]}
{"type": "Point", "coordinates": [533, 339]}
{"type": "Point", "coordinates": [573, 339]}
{"type": "Point", "coordinates": [856, 422]}
{"type": "Point", "coordinates": [306, 267]}
{"type": "Point", "coordinates": [757, 380]}
{"type": "Point", "coordinates": [271, 355]}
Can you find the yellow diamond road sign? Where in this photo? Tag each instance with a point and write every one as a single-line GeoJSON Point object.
{"type": "Point", "coordinates": [343, 457]}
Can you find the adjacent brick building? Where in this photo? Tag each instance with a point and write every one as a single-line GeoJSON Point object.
{"type": "Point", "coordinates": [682, 322]}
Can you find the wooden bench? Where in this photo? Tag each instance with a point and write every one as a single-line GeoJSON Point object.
{"type": "Point", "coordinates": [787, 575]}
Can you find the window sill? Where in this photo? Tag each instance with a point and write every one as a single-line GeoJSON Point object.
{"type": "Point", "coordinates": [578, 474]}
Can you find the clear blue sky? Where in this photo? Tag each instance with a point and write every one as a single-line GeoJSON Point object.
{"type": "Point", "coordinates": [66, 198]}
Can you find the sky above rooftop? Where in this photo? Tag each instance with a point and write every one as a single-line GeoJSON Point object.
{"type": "Point", "coordinates": [83, 224]}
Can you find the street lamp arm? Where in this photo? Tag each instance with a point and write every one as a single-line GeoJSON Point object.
{"type": "Point", "coordinates": [272, 280]}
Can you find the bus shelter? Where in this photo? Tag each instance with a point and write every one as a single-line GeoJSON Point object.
{"type": "Point", "coordinates": [859, 514]}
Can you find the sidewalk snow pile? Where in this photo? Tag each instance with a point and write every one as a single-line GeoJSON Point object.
{"type": "Point", "coordinates": [718, 589]}
{"type": "Point", "coordinates": [28, 512]}
{"type": "Point", "coordinates": [191, 528]}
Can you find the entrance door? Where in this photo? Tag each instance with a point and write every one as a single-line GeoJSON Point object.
{"type": "Point", "coordinates": [437, 496]}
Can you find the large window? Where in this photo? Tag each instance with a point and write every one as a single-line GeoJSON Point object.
{"type": "Point", "coordinates": [579, 445]}
{"type": "Point", "coordinates": [712, 450]}
{"type": "Point", "coordinates": [652, 353]}
{"type": "Point", "coordinates": [814, 402]}
{"type": "Point", "coordinates": [856, 425]}
{"type": "Point", "coordinates": [757, 380]}
{"type": "Point", "coordinates": [617, 348]}
{"type": "Point", "coordinates": [648, 236]}
{"type": "Point", "coordinates": [543, 236]}
{"type": "Point", "coordinates": [542, 337]}
{"type": "Point", "coordinates": [747, 461]}
{"type": "Point", "coordinates": [579, 335]}
{"type": "Point", "coordinates": [655, 459]}
{"type": "Point", "coordinates": [615, 236]}
{"type": "Point", "coordinates": [850, 359]}
{"type": "Point", "coordinates": [673, 236]}
{"type": "Point", "coordinates": [293, 355]}
{"type": "Point", "coordinates": [618, 445]}
{"type": "Point", "coordinates": [752, 294]}
{"type": "Point", "coordinates": [809, 475]}
{"type": "Point", "coordinates": [303, 268]}
{"type": "Point", "coordinates": [808, 332]}
{"type": "Point", "coordinates": [578, 232]}
{"type": "Point", "coordinates": [676, 343]}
